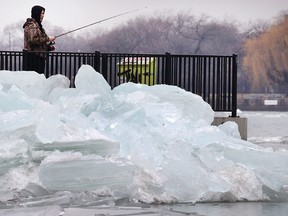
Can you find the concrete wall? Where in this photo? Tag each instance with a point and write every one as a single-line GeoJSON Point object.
{"type": "Point", "coordinates": [240, 121]}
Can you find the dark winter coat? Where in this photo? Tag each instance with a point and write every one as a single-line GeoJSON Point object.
{"type": "Point", "coordinates": [34, 38]}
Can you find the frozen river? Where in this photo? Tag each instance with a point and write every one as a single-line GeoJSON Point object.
{"type": "Point", "coordinates": [268, 129]}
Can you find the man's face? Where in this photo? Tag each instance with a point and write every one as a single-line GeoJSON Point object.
{"type": "Point", "coordinates": [42, 15]}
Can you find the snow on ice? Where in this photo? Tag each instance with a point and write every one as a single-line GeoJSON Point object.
{"type": "Point", "coordinates": [147, 143]}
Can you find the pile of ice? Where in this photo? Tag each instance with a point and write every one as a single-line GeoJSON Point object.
{"type": "Point", "coordinates": [148, 143]}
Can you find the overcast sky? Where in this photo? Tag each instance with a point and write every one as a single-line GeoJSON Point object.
{"type": "Point", "coordinates": [71, 14]}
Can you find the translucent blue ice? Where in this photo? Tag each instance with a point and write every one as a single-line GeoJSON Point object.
{"type": "Point", "coordinates": [149, 143]}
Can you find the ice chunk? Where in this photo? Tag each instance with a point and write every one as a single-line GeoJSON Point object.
{"type": "Point", "coordinates": [90, 82]}
{"type": "Point", "coordinates": [29, 82]}
{"type": "Point", "coordinates": [272, 174]}
{"type": "Point", "coordinates": [57, 82]}
{"type": "Point", "coordinates": [33, 84]}
{"type": "Point", "coordinates": [86, 174]}
{"type": "Point", "coordinates": [230, 128]}
{"type": "Point", "coordinates": [13, 152]}
{"type": "Point", "coordinates": [100, 147]}
{"type": "Point", "coordinates": [191, 105]}
{"type": "Point", "coordinates": [48, 122]}
{"type": "Point", "coordinates": [34, 211]}
{"type": "Point", "coordinates": [14, 99]}
{"type": "Point", "coordinates": [34, 190]}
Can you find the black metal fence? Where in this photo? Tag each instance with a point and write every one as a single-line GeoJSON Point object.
{"type": "Point", "coordinates": [214, 78]}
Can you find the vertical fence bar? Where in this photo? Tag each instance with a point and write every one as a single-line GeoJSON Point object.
{"type": "Point", "coordinates": [6, 62]}
{"type": "Point", "coordinates": [205, 80]}
{"type": "Point", "coordinates": [1, 60]}
{"type": "Point", "coordinates": [189, 74]}
{"type": "Point", "coordinates": [97, 61]}
{"type": "Point", "coordinates": [179, 80]}
{"type": "Point", "coordinates": [104, 63]}
{"type": "Point", "coordinates": [229, 82]}
{"type": "Point", "coordinates": [213, 82]}
{"type": "Point", "coordinates": [209, 80]}
{"type": "Point", "coordinates": [193, 89]}
{"type": "Point", "coordinates": [167, 70]}
{"type": "Point", "coordinates": [224, 83]}
{"type": "Point", "coordinates": [161, 76]}
{"type": "Point", "coordinates": [234, 87]}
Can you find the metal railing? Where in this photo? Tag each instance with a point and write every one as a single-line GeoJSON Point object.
{"type": "Point", "coordinates": [214, 78]}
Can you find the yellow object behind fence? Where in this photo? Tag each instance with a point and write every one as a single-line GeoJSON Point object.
{"type": "Point", "coordinates": [138, 70]}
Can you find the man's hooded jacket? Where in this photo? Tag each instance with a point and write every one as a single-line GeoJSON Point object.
{"type": "Point", "coordinates": [35, 38]}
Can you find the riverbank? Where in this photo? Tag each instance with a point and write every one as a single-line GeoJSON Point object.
{"type": "Point", "coordinates": [262, 102]}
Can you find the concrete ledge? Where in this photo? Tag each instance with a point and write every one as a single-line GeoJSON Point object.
{"type": "Point", "coordinates": [241, 122]}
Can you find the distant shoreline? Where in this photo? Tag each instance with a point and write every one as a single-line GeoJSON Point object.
{"type": "Point", "coordinates": [262, 102]}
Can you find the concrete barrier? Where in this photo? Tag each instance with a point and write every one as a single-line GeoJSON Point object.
{"type": "Point", "coordinates": [240, 121]}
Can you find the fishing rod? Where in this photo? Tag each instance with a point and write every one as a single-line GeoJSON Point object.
{"type": "Point", "coordinates": [100, 21]}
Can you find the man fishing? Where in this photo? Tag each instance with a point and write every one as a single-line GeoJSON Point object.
{"type": "Point", "coordinates": [36, 41]}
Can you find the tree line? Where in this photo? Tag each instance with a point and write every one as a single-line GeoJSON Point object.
{"type": "Point", "coordinates": [266, 58]}
{"type": "Point", "coordinates": [262, 48]}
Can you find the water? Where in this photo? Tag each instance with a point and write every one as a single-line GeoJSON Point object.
{"type": "Point", "coordinates": [268, 129]}
{"type": "Point", "coordinates": [235, 209]}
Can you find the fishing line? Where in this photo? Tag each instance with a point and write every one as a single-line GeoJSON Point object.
{"type": "Point", "coordinates": [100, 21]}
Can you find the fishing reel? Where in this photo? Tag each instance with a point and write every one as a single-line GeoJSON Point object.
{"type": "Point", "coordinates": [51, 46]}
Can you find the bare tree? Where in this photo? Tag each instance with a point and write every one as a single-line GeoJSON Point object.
{"type": "Point", "coordinates": [13, 36]}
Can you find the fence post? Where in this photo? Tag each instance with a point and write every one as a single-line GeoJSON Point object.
{"type": "Point", "coordinates": [168, 76]}
{"type": "Point", "coordinates": [234, 86]}
{"type": "Point", "coordinates": [97, 61]}
{"type": "Point", "coordinates": [1, 60]}
{"type": "Point", "coordinates": [104, 63]}
{"type": "Point", "coordinates": [48, 69]}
